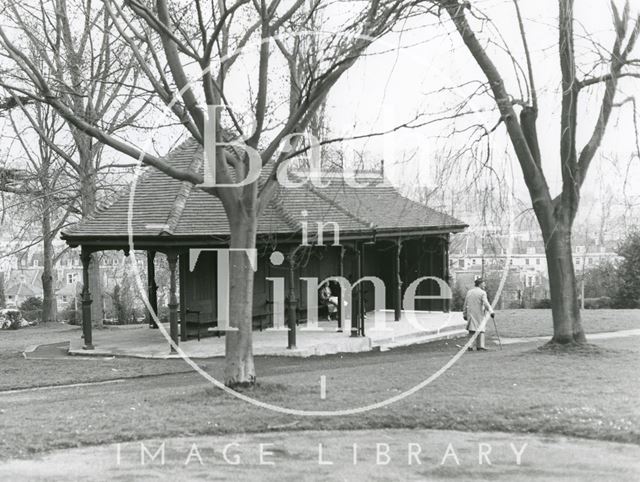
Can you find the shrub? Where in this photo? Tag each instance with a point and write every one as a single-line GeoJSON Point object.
{"type": "Point", "coordinates": [71, 316]}
{"type": "Point", "coordinates": [123, 305]}
{"type": "Point", "coordinates": [602, 280]}
{"type": "Point", "coordinates": [543, 304]}
{"type": "Point", "coordinates": [31, 308]}
{"type": "Point", "coordinates": [163, 314]}
{"type": "Point", "coordinates": [457, 298]}
{"type": "Point", "coordinates": [11, 319]}
{"type": "Point", "coordinates": [603, 302]}
{"type": "Point", "coordinates": [590, 303]}
{"type": "Point", "coordinates": [628, 294]}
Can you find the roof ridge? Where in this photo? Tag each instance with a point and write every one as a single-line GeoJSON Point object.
{"type": "Point", "coordinates": [182, 197]}
{"type": "Point", "coordinates": [104, 205]}
{"type": "Point", "coordinates": [278, 205]}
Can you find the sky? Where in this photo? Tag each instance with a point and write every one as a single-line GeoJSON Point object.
{"type": "Point", "coordinates": [416, 73]}
{"type": "Point", "coordinates": [399, 82]}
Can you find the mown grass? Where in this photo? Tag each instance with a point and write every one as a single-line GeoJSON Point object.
{"type": "Point", "coordinates": [519, 389]}
{"type": "Point", "coordinates": [525, 323]}
{"type": "Point", "coordinates": [19, 372]}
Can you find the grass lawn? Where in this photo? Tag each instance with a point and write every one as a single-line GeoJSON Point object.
{"type": "Point", "coordinates": [523, 323]}
{"type": "Point", "coordinates": [18, 372]}
{"type": "Point", "coordinates": [592, 393]}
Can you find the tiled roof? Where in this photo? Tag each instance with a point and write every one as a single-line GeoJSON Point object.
{"type": "Point", "coordinates": [164, 206]}
{"type": "Point", "coordinates": [20, 289]}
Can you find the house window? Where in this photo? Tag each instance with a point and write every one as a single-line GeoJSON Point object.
{"type": "Point", "coordinates": [526, 261]}
{"type": "Point", "coordinates": [473, 261]}
{"type": "Point", "coordinates": [538, 261]}
{"type": "Point", "coordinates": [461, 263]}
{"type": "Point", "coordinates": [72, 278]}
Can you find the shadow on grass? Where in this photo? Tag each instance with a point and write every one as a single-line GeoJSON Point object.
{"type": "Point", "coordinates": [574, 349]}
{"type": "Point", "coordinates": [259, 389]}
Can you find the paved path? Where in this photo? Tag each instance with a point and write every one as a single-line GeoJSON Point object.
{"type": "Point", "coordinates": [313, 455]}
{"type": "Point", "coordinates": [413, 327]}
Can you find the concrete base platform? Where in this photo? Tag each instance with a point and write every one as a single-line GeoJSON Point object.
{"type": "Point", "coordinates": [147, 343]}
{"type": "Point", "coordinates": [413, 328]}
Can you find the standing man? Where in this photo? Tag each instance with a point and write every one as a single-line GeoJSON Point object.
{"type": "Point", "coordinates": [476, 305]}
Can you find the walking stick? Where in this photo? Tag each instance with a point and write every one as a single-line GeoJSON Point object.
{"type": "Point", "coordinates": [497, 334]}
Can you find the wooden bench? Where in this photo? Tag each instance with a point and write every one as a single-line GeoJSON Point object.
{"type": "Point", "coordinates": [194, 322]}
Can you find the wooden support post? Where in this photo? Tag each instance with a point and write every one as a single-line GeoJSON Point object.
{"type": "Point", "coordinates": [341, 274]}
{"type": "Point", "coordinates": [431, 271]}
{"type": "Point", "coordinates": [85, 257]}
{"type": "Point", "coordinates": [172, 257]}
{"type": "Point", "coordinates": [152, 288]}
{"type": "Point", "coordinates": [183, 268]}
{"type": "Point", "coordinates": [356, 294]}
{"type": "Point", "coordinates": [446, 304]}
{"type": "Point", "coordinates": [361, 273]}
{"type": "Point", "coordinates": [397, 301]}
{"type": "Point", "coordinates": [292, 303]}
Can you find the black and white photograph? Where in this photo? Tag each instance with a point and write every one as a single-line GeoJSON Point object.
{"type": "Point", "coordinates": [350, 240]}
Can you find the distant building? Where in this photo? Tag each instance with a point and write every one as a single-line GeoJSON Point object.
{"type": "Point", "coordinates": [22, 274]}
{"type": "Point", "coordinates": [17, 293]}
{"type": "Point", "coordinates": [527, 281]}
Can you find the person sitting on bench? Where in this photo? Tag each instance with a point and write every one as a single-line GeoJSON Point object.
{"type": "Point", "coordinates": [331, 302]}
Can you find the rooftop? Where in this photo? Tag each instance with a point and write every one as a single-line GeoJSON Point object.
{"type": "Point", "coordinates": [166, 208]}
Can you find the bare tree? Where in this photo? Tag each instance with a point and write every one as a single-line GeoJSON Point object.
{"type": "Point", "coordinates": [211, 37]}
{"type": "Point", "coordinates": [555, 214]}
{"type": "Point", "coordinates": [70, 43]}
{"type": "Point", "coordinates": [44, 193]}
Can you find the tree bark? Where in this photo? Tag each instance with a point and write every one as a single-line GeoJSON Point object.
{"type": "Point", "coordinates": [48, 294]}
{"type": "Point", "coordinates": [567, 322]}
{"type": "Point", "coordinates": [2, 300]}
{"type": "Point", "coordinates": [239, 366]}
{"type": "Point", "coordinates": [555, 217]}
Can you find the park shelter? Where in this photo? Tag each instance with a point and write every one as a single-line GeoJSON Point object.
{"type": "Point", "coordinates": [381, 233]}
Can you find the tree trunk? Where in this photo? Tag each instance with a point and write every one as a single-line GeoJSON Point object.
{"type": "Point", "coordinates": [567, 323]}
{"type": "Point", "coordinates": [48, 294]}
{"type": "Point", "coordinates": [239, 367]}
{"type": "Point", "coordinates": [2, 300]}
